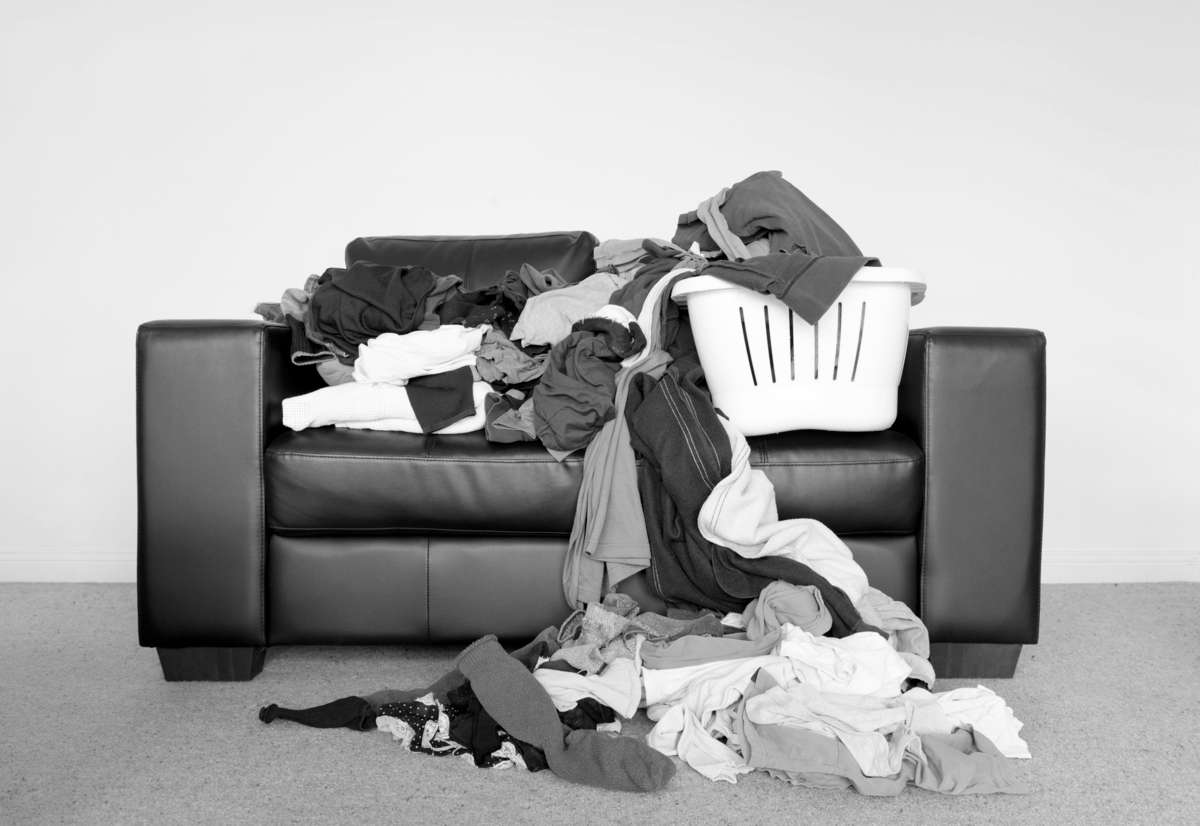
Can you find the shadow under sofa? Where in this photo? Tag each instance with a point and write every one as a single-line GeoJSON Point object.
{"type": "Point", "coordinates": [251, 535]}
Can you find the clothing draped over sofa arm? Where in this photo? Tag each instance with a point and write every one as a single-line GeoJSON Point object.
{"type": "Point", "coordinates": [974, 400]}
{"type": "Point", "coordinates": [208, 402]}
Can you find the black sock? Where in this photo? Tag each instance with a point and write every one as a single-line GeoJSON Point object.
{"type": "Point", "coordinates": [348, 712]}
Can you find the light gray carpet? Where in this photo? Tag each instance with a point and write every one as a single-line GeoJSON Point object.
{"type": "Point", "coordinates": [90, 733]}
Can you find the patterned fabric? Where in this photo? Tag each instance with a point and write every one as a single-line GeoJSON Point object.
{"type": "Point", "coordinates": [423, 725]}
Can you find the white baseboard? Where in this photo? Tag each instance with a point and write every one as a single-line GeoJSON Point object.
{"type": "Point", "coordinates": [79, 565]}
{"type": "Point", "coordinates": [1059, 565]}
{"type": "Point", "coordinates": [1065, 565]}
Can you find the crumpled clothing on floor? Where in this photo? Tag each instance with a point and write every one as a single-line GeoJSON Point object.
{"type": "Point", "coordinates": [598, 634]}
{"type": "Point", "coordinates": [421, 725]}
{"type": "Point", "coordinates": [944, 758]}
{"type": "Point", "coordinates": [905, 631]}
{"type": "Point", "coordinates": [617, 686]}
{"type": "Point", "coordinates": [782, 602]}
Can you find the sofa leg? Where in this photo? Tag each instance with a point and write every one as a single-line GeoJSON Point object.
{"type": "Point", "coordinates": [973, 659]}
{"type": "Point", "coordinates": [211, 663]}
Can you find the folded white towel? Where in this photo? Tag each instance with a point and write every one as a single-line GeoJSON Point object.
{"type": "Point", "coordinates": [371, 407]}
{"type": "Point", "coordinates": [396, 358]}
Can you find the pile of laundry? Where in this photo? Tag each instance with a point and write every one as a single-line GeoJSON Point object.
{"type": "Point", "coordinates": [405, 349]}
{"type": "Point", "coordinates": [492, 710]}
{"type": "Point", "coordinates": [534, 358]}
{"type": "Point", "coordinates": [776, 696]}
{"type": "Point", "coordinates": [774, 654]}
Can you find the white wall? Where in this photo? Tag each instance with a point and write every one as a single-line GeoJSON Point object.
{"type": "Point", "coordinates": [1038, 162]}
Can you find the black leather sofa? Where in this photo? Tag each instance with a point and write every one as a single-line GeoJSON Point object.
{"type": "Point", "coordinates": [251, 535]}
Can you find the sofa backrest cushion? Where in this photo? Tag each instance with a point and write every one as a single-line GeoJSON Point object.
{"type": "Point", "coordinates": [481, 260]}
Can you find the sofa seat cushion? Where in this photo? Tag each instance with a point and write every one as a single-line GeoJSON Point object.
{"type": "Point", "coordinates": [853, 482]}
{"type": "Point", "coordinates": [327, 480]}
{"type": "Point", "coordinates": [387, 590]}
{"type": "Point", "coordinates": [346, 481]}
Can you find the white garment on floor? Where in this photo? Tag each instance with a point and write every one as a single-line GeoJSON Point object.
{"type": "Point", "coordinates": [371, 407]}
{"type": "Point", "coordinates": [396, 358]}
{"type": "Point", "coordinates": [817, 678]}
{"type": "Point", "coordinates": [709, 686]}
{"type": "Point", "coordinates": [905, 631]}
{"type": "Point", "coordinates": [916, 709]}
{"type": "Point", "coordinates": [903, 627]}
{"type": "Point", "coordinates": [680, 733]}
{"type": "Point", "coordinates": [401, 731]}
{"type": "Point", "coordinates": [740, 514]}
{"type": "Point", "coordinates": [877, 730]}
{"type": "Point", "coordinates": [685, 702]}
{"type": "Point", "coordinates": [874, 731]}
{"type": "Point", "coordinates": [863, 663]}
{"type": "Point", "coordinates": [987, 713]}
{"type": "Point", "coordinates": [617, 687]}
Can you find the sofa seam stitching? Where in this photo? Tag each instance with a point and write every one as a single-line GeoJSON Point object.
{"type": "Point", "coordinates": [261, 516]}
{"type": "Point", "coordinates": [394, 530]}
{"type": "Point", "coordinates": [472, 460]}
{"type": "Point", "coordinates": [279, 454]}
{"type": "Point", "coordinates": [139, 366]}
{"type": "Point", "coordinates": [428, 634]}
{"type": "Point", "coordinates": [449, 239]}
{"type": "Point", "coordinates": [924, 544]}
{"type": "Point", "coordinates": [852, 462]}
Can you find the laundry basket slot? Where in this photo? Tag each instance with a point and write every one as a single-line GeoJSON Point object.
{"type": "Point", "coordinates": [746, 341]}
{"type": "Point", "coordinates": [792, 342]}
{"type": "Point", "coordinates": [816, 350]}
{"type": "Point", "coordinates": [857, 395]}
{"type": "Point", "coordinates": [837, 346]}
{"type": "Point", "coordinates": [770, 349]}
{"type": "Point", "coordinates": [862, 321]}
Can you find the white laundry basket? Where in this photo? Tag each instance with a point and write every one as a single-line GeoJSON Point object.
{"type": "Point", "coordinates": [770, 371]}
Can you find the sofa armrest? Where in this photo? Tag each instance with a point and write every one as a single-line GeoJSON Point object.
{"type": "Point", "coordinates": [208, 403]}
{"type": "Point", "coordinates": [974, 399]}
